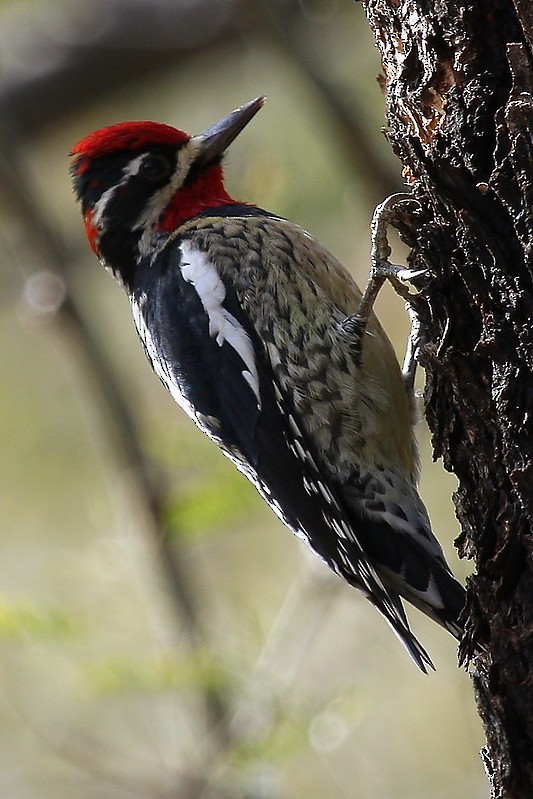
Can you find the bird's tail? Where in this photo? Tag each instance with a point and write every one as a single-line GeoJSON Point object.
{"type": "Point", "coordinates": [443, 601]}
{"type": "Point", "coordinates": [400, 626]}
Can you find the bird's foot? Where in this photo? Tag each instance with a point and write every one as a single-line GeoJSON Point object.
{"type": "Point", "coordinates": [408, 283]}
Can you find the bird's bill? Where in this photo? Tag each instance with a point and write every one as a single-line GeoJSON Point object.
{"type": "Point", "coordinates": [215, 139]}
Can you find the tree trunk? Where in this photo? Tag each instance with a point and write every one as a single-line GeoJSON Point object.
{"type": "Point", "coordinates": [458, 81]}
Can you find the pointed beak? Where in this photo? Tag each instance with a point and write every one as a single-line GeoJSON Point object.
{"type": "Point", "coordinates": [213, 141]}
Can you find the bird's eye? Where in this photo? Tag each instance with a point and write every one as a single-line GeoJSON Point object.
{"type": "Point", "coordinates": [156, 167]}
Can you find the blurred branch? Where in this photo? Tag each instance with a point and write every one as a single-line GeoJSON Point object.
{"type": "Point", "coordinates": [114, 409]}
{"type": "Point", "coordinates": [286, 648]}
{"type": "Point", "coordinates": [57, 56]}
{"type": "Point", "coordinates": [283, 24]}
{"type": "Point", "coordinates": [83, 753]}
{"type": "Point", "coordinates": [54, 56]}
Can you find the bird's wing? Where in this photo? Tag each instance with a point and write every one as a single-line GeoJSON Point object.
{"type": "Point", "coordinates": [209, 357]}
{"type": "Point", "coordinates": [396, 534]}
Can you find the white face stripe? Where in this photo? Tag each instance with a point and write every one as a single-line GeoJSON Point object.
{"type": "Point", "coordinates": [223, 326]}
{"type": "Point", "coordinates": [161, 198]}
{"type": "Point", "coordinates": [157, 202]}
{"type": "Point", "coordinates": [131, 168]}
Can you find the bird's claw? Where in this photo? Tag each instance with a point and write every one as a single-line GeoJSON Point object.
{"type": "Point", "coordinates": [408, 283]}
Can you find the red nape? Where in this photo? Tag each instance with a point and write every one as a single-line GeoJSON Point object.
{"type": "Point", "coordinates": [128, 136]}
{"type": "Point", "coordinates": [204, 191]}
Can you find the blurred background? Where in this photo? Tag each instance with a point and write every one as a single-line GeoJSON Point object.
{"type": "Point", "coordinates": [161, 634]}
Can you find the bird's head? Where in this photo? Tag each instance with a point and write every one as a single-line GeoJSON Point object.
{"type": "Point", "coordinates": [137, 181]}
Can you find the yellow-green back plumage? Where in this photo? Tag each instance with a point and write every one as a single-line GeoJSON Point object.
{"type": "Point", "coordinates": [297, 294]}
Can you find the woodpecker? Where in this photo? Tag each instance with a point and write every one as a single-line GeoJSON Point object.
{"type": "Point", "coordinates": [254, 328]}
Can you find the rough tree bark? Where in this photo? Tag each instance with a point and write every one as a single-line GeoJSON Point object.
{"type": "Point", "coordinates": [458, 80]}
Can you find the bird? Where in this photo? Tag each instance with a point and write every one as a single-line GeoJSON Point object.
{"type": "Point", "coordinates": [253, 327]}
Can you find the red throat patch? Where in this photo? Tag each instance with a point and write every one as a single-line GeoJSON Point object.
{"type": "Point", "coordinates": [205, 191]}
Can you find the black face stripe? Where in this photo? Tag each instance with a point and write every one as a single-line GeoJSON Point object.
{"type": "Point", "coordinates": [132, 191]}
{"type": "Point", "coordinates": [93, 179]}
{"type": "Point", "coordinates": [157, 167]}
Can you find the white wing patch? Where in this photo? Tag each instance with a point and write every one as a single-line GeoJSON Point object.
{"type": "Point", "coordinates": [223, 326]}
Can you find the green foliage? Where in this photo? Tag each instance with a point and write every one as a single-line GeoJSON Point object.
{"type": "Point", "coordinates": [24, 620]}
{"type": "Point", "coordinates": [161, 672]}
{"type": "Point", "coordinates": [280, 742]}
{"type": "Point", "coordinates": [218, 498]}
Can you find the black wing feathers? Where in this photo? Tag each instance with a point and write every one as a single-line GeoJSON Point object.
{"type": "Point", "coordinates": [210, 375]}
